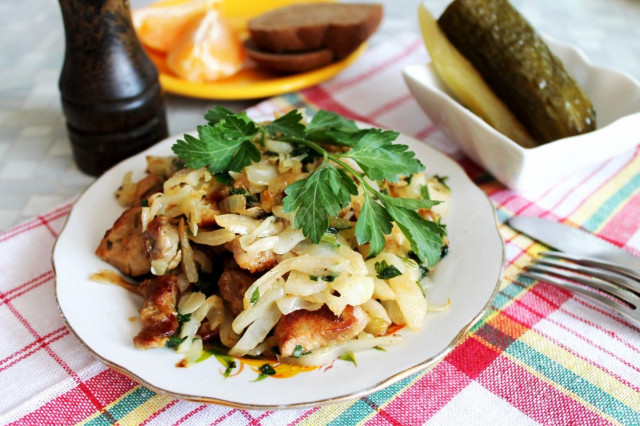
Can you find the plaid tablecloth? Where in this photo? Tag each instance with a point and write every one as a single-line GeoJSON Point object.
{"type": "Point", "coordinates": [540, 355]}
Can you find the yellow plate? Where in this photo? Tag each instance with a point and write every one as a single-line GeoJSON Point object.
{"type": "Point", "coordinates": [249, 82]}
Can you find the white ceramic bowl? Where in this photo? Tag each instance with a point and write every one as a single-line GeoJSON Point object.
{"type": "Point", "coordinates": [615, 97]}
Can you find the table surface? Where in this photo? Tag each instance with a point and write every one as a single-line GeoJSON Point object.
{"type": "Point", "coordinates": [37, 171]}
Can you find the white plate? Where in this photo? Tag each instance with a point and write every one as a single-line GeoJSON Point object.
{"type": "Point", "coordinates": [99, 313]}
{"type": "Point", "coordinates": [615, 97]}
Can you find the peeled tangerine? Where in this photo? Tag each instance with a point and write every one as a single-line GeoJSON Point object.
{"type": "Point", "coordinates": [158, 27]}
{"type": "Point", "coordinates": [208, 50]}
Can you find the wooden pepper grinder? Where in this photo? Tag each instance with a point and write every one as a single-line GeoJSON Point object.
{"type": "Point", "coordinates": [108, 85]}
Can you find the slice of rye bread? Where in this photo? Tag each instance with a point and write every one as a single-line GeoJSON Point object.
{"type": "Point", "coordinates": [288, 62]}
{"type": "Point", "coordinates": [339, 27]}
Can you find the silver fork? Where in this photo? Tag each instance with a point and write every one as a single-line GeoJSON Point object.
{"type": "Point", "coordinates": [621, 284]}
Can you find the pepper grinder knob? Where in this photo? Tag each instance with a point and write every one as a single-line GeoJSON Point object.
{"type": "Point", "coordinates": [109, 87]}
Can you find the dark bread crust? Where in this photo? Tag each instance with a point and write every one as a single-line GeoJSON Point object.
{"type": "Point", "coordinates": [288, 62]}
{"type": "Point", "coordinates": [313, 26]}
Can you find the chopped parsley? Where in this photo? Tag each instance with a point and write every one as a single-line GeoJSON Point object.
{"type": "Point", "coordinates": [255, 296]}
{"type": "Point", "coordinates": [299, 351]}
{"type": "Point", "coordinates": [384, 271]}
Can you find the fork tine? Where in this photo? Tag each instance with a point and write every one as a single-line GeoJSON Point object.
{"type": "Point", "coordinates": [605, 286]}
{"type": "Point", "coordinates": [603, 274]}
{"type": "Point", "coordinates": [593, 262]}
{"type": "Point", "coordinates": [630, 314]}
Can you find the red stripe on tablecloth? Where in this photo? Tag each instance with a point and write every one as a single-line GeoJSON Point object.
{"type": "Point", "coordinates": [323, 99]}
{"type": "Point", "coordinates": [37, 281]}
{"type": "Point", "coordinates": [160, 411]}
{"type": "Point", "coordinates": [624, 224]}
{"type": "Point", "coordinates": [381, 412]}
{"type": "Point", "coordinates": [45, 223]}
{"type": "Point", "coordinates": [534, 313]}
{"type": "Point", "coordinates": [35, 223]}
{"type": "Point", "coordinates": [426, 132]}
{"type": "Point", "coordinates": [602, 184]}
{"type": "Point", "coordinates": [190, 414]}
{"type": "Point", "coordinates": [81, 385]}
{"type": "Point", "coordinates": [304, 416]}
{"type": "Point", "coordinates": [256, 421]}
{"type": "Point", "coordinates": [472, 357]}
{"type": "Point", "coordinates": [545, 303]}
{"type": "Point", "coordinates": [606, 313]}
{"type": "Point", "coordinates": [427, 395]}
{"type": "Point", "coordinates": [390, 105]}
{"type": "Point", "coordinates": [579, 184]}
{"type": "Point", "coordinates": [224, 416]}
{"type": "Point", "coordinates": [339, 85]}
{"type": "Point", "coordinates": [33, 347]}
{"type": "Point", "coordinates": [75, 405]}
{"type": "Point", "coordinates": [533, 396]}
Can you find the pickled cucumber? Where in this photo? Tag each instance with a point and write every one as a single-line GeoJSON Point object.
{"type": "Point", "coordinates": [467, 84]}
{"type": "Point", "coordinates": [518, 66]}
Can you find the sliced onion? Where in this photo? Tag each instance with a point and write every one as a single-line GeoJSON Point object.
{"type": "Point", "coordinates": [188, 330]}
{"type": "Point", "coordinates": [263, 244]}
{"type": "Point", "coordinates": [290, 304]}
{"type": "Point", "coordinates": [277, 146]}
{"type": "Point", "coordinates": [261, 173]}
{"type": "Point", "coordinates": [189, 302]}
{"type": "Point", "coordinates": [214, 238]}
{"type": "Point", "coordinates": [233, 204]}
{"type": "Point", "coordinates": [259, 308]}
{"type": "Point", "coordinates": [237, 223]}
{"type": "Point", "coordinates": [195, 351]}
{"type": "Point", "coordinates": [257, 331]}
{"type": "Point", "coordinates": [299, 284]}
{"type": "Point", "coordinates": [287, 240]}
{"type": "Point", "coordinates": [215, 315]}
{"type": "Point", "coordinates": [329, 353]}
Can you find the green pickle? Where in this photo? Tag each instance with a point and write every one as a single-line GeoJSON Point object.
{"type": "Point", "coordinates": [519, 68]}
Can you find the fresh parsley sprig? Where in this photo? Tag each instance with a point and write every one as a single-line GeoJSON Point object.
{"type": "Point", "coordinates": [229, 143]}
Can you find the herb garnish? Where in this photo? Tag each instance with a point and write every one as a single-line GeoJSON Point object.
{"type": "Point", "coordinates": [265, 371]}
{"type": "Point", "coordinates": [299, 351]}
{"type": "Point", "coordinates": [255, 296]}
{"type": "Point", "coordinates": [229, 143]}
{"type": "Point", "coordinates": [384, 271]}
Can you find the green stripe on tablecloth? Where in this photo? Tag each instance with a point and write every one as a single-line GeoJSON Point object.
{"type": "Point", "coordinates": [361, 409]}
{"type": "Point", "coordinates": [124, 406]}
{"type": "Point", "coordinates": [609, 207]}
{"type": "Point", "coordinates": [574, 383]}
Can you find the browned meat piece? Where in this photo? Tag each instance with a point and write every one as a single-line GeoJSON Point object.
{"type": "Point", "coordinates": [162, 241]}
{"type": "Point", "coordinates": [123, 245]}
{"type": "Point", "coordinates": [158, 315]}
{"type": "Point", "coordinates": [206, 333]}
{"type": "Point", "coordinates": [253, 262]}
{"type": "Point", "coordinates": [315, 329]}
{"type": "Point", "coordinates": [150, 184]}
{"type": "Point", "coordinates": [233, 284]}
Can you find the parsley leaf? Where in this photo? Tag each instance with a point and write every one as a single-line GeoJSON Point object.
{"type": "Point", "coordinates": [215, 150]}
{"type": "Point", "coordinates": [384, 271]}
{"type": "Point", "coordinates": [410, 203]}
{"type": "Point", "coordinates": [289, 124]}
{"type": "Point", "coordinates": [174, 341]}
{"type": "Point", "coordinates": [425, 236]}
{"type": "Point", "coordinates": [380, 159]}
{"type": "Point", "coordinates": [329, 127]}
{"type": "Point", "coordinates": [424, 192]}
{"type": "Point", "coordinates": [320, 195]}
{"type": "Point", "coordinates": [373, 223]}
{"type": "Point", "coordinates": [349, 357]}
{"type": "Point", "coordinates": [217, 114]}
